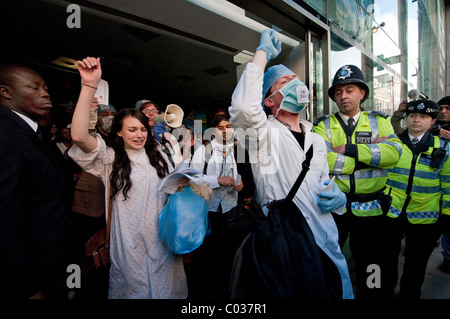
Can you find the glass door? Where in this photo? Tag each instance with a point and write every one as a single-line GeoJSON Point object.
{"type": "Point", "coordinates": [316, 63]}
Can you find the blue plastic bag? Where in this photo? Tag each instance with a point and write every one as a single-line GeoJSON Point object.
{"type": "Point", "coordinates": [183, 221]}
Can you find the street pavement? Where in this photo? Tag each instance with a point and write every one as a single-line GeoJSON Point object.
{"type": "Point", "coordinates": [436, 284]}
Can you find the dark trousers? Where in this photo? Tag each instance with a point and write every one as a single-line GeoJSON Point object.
{"type": "Point", "coordinates": [368, 248]}
{"type": "Point", "coordinates": [420, 240]}
{"type": "Point", "coordinates": [209, 268]}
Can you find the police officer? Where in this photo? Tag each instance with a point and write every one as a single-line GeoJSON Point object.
{"type": "Point", "coordinates": [361, 147]}
{"type": "Point", "coordinates": [416, 185]}
{"type": "Point", "coordinates": [442, 125]}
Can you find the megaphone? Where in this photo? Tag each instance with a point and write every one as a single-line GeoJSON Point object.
{"type": "Point", "coordinates": [173, 116]}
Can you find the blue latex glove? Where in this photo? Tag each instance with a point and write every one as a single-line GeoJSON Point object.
{"type": "Point", "coordinates": [269, 44]}
{"type": "Point", "coordinates": [330, 201]}
{"type": "Point", "coordinates": [158, 131]}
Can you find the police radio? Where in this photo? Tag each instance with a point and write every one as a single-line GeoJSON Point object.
{"type": "Point", "coordinates": [437, 156]}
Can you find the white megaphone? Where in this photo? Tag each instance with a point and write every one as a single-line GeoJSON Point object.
{"type": "Point", "coordinates": [173, 116]}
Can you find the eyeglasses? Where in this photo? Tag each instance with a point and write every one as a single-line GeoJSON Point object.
{"type": "Point", "coordinates": [154, 111]}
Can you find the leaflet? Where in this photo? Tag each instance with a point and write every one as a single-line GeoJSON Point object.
{"type": "Point", "coordinates": [170, 183]}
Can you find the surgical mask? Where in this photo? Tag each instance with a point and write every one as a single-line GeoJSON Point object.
{"type": "Point", "coordinates": [295, 97]}
{"type": "Point", "coordinates": [107, 122]}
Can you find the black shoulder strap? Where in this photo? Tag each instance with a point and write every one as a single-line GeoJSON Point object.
{"type": "Point", "coordinates": [305, 169]}
{"type": "Point", "coordinates": [208, 154]}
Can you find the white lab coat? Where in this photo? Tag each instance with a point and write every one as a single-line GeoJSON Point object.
{"type": "Point", "coordinates": [225, 196]}
{"type": "Point", "coordinates": [276, 163]}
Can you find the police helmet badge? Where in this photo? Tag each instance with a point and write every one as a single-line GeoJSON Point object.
{"type": "Point", "coordinates": [421, 106]}
{"type": "Point", "coordinates": [345, 72]}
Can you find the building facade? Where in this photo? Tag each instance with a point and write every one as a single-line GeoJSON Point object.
{"type": "Point", "coordinates": [192, 52]}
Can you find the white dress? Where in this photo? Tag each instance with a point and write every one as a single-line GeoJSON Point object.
{"type": "Point", "coordinates": [141, 265]}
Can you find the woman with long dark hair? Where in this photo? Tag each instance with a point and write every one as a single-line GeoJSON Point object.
{"type": "Point", "coordinates": [141, 265]}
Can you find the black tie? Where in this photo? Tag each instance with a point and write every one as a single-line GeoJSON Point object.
{"type": "Point", "coordinates": [351, 122]}
{"type": "Point", "coordinates": [414, 141]}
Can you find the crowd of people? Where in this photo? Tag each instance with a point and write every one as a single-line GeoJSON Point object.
{"type": "Point", "coordinates": [372, 181]}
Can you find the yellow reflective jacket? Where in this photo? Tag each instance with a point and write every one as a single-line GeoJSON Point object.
{"type": "Point", "coordinates": [363, 168]}
{"type": "Point", "coordinates": [420, 179]}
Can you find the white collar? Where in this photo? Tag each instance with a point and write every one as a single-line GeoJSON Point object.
{"type": "Point", "coordinates": [345, 117]}
{"type": "Point", "coordinates": [29, 121]}
{"type": "Point", "coordinates": [418, 137]}
{"type": "Point", "coordinates": [221, 147]}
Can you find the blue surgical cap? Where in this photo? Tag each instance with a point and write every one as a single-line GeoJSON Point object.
{"type": "Point", "coordinates": [140, 102]}
{"type": "Point", "coordinates": [103, 107]}
{"type": "Point", "coordinates": [272, 75]}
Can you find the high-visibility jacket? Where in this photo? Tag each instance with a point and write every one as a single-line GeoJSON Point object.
{"type": "Point", "coordinates": [415, 186]}
{"type": "Point", "coordinates": [363, 169]}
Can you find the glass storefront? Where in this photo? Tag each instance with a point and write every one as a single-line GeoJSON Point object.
{"type": "Point", "coordinates": [399, 45]}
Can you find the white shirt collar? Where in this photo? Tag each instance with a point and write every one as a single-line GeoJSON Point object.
{"type": "Point", "coordinates": [29, 121]}
{"type": "Point", "coordinates": [345, 117]}
{"type": "Point", "coordinates": [418, 137]}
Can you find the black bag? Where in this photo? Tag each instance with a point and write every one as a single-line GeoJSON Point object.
{"type": "Point", "coordinates": [279, 258]}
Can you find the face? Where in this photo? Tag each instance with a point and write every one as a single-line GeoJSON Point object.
{"type": "Point", "coordinates": [65, 134]}
{"type": "Point", "coordinates": [418, 123]}
{"type": "Point", "coordinates": [28, 94]}
{"type": "Point", "coordinates": [273, 101]}
{"type": "Point", "coordinates": [133, 133]}
{"type": "Point", "coordinates": [150, 111]}
{"type": "Point", "coordinates": [444, 113]}
{"type": "Point", "coordinates": [348, 98]}
{"type": "Point", "coordinates": [106, 113]}
{"type": "Point", "coordinates": [101, 116]}
{"type": "Point", "coordinates": [224, 131]}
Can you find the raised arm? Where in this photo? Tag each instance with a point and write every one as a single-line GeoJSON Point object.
{"type": "Point", "coordinates": [91, 73]}
{"type": "Point", "coordinates": [246, 109]}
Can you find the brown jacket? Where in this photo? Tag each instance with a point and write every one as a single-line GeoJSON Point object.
{"type": "Point", "coordinates": [89, 196]}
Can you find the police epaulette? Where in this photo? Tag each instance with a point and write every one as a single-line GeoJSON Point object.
{"type": "Point", "coordinates": [320, 119]}
{"type": "Point", "coordinates": [385, 115]}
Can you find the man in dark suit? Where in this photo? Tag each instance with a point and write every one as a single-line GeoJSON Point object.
{"type": "Point", "coordinates": [34, 234]}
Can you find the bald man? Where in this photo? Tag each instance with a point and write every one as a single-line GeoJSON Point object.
{"type": "Point", "coordinates": [33, 207]}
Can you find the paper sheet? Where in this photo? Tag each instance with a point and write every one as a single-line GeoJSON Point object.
{"type": "Point", "coordinates": [170, 183]}
{"type": "Point", "coordinates": [102, 93]}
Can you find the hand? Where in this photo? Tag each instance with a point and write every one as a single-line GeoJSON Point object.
{"type": "Point", "coordinates": [239, 186]}
{"type": "Point", "coordinates": [339, 149]}
{"type": "Point", "coordinates": [445, 134]}
{"type": "Point", "coordinates": [331, 201]}
{"type": "Point", "coordinates": [183, 181]}
{"type": "Point", "coordinates": [158, 131]}
{"type": "Point", "coordinates": [226, 181]}
{"type": "Point", "coordinates": [401, 107]}
{"type": "Point", "coordinates": [94, 105]}
{"type": "Point", "coordinates": [378, 140]}
{"type": "Point", "coordinates": [269, 44]}
{"type": "Point", "coordinates": [90, 71]}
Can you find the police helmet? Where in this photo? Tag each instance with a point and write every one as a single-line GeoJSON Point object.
{"type": "Point", "coordinates": [427, 107]}
{"type": "Point", "coordinates": [349, 74]}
